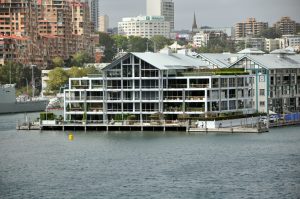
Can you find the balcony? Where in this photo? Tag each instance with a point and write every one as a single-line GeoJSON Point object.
{"type": "Point", "coordinates": [173, 86]}
{"type": "Point", "coordinates": [199, 85]}
{"type": "Point", "coordinates": [173, 109]}
{"type": "Point", "coordinates": [80, 86]}
{"type": "Point", "coordinates": [173, 98]}
{"type": "Point", "coordinates": [197, 98]}
{"type": "Point", "coordinates": [189, 109]}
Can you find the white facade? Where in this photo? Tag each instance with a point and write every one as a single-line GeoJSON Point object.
{"type": "Point", "coordinates": [145, 84]}
{"type": "Point", "coordinates": [144, 26]}
{"type": "Point", "coordinates": [200, 39]}
{"type": "Point", "coordinates": [103, 23]}
{"type": "Point", "coordinates": [271, 44]}
{"type": "Point", "coordinates": [162, 8]}
{"type": "Point", "coordinates": [290, 41]}
{"type": "Point", "coordinates": [277, 80]}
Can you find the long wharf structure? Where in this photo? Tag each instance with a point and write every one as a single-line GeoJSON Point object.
{"type": "Point", "coordinates": [140, 87]}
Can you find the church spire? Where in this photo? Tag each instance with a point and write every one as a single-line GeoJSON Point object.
{"type": "Point", "coordinates": [194, 27]}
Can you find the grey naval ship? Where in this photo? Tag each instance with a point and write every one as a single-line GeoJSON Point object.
{"type": "Point", "coordinates": [10, 104]}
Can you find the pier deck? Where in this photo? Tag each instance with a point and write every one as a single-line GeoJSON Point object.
{"type": "Point", "coordinates": [138, 127]}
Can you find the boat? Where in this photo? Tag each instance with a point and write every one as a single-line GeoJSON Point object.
{"type": "Point", "coordinates": [55, 103]}
{"type": "Point", "coordinates": [9, 103]}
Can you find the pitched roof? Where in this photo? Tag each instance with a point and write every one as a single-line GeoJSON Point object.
{"type": "Point", "coordinates": [220, 60]}
{"type": "Point", "coordinates": [272, 61]}
{"type": "Point", "coordinates": [164, 61]}
{"type": "Point", "coordinates": [251, 51]}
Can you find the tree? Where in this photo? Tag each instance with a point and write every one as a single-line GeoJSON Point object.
{"type": "Point", "coordinates": [80, 58]}
{"type": "Point", "coordinates": [159, 42]}
{"type": "Point", "coordinates": [137, 44]}
{"type": "Point", "coordinates": [270, 33]}
{"type": "Point", "coordinates": [57, 62]}
{"type": "Point", "coordinates": [91, 70]}
{"type": "Point", "coordinates": [14, 73]}
{"type": "Point", "coordinates": [57, 78]}
{"type": "Point", "coordinates": [109, 45]}
{"type": "Point", "coordinates": [121, 42]}
{"type": "Point", "coordinates": [76, 72]}
{"type": "Point", "coordinates": [217, 45]}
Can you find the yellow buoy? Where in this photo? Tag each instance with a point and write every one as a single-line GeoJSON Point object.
{"type": "Point", "coordinates": [71, 137]}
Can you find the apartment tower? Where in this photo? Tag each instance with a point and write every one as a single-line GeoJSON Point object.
{"type": "Point", "coordinates": [94, 13]}
{"type": "Point", "coordinates": [250, 27]}
{"type": "Point", "coordinates": [103, 23]}
{"type": "Point", "coordinates": [162, 8]}
{"type": "Point", "coordinates": [285, 26]}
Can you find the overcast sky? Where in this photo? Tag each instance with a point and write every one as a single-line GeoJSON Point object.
{"type": "Point", "coordinates": [217, 13]}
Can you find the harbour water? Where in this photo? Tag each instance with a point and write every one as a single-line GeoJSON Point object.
{"type": "Point", "coordinates": [147, 165]}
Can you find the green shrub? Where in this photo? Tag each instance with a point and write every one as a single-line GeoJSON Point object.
{"type": "Point", "coordinates": [47, 116]}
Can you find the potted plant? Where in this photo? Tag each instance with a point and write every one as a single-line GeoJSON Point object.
{"type": "Point", "coordinates": [84, 117]}
{"type": "Point", "coordinates": [131, 119]}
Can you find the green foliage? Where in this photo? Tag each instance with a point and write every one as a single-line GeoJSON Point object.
{"type": "Point", "coordinates": [80, 58]}
{"type": "Point", "coordinates": [109, 44]}
{"type": "Point", "coordinates": [131, 117]}
{"type": "Point", "coordinates": [121, 42]}
{"type": "Point", "coordinates": [76, 72]}
{"type": "Point", "coordinates": [241, 45]}
{"type": "Point", "coordinates": [160, 42]}
{"type": "Point", "coordinates": [91, 70]}
{"type": "Point", "coordinates": [19, 74]}
{"type": "Point", "coordinates": [11, 70]}
{"type": "Point", "coordinates": [118, 117]}
{"type": "Point", "coordinates": [84, 117]}
{"type": "Point", "coordinates": [57, 62]}
{"type": "Point", "coordinates": [137, 44]}
{"type": "Point", "coordinates": [217, 45]}
{"type": "Point", "coordinates": [57, 78]}
{"type": "Point", "coordinates": [47, 116]}
{"type": "Point", "coordinates": [270, 33]}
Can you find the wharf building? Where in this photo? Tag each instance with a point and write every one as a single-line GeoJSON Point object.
{"type": "Point", "coordinates": [144, 26]}
{"type": "Point", "coordinates": [276, 76]}
{"type": "Point", "coordinates": [277, 80]}
{"type": "Point", "coordinates": [141, 85]}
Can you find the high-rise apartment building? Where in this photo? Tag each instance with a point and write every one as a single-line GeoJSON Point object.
{"type": "Point", "coordinates": [285, 26]}
{"type": "Point", "coordinates": [144, 26]}
{"type": "Point", "coordinates": [162, 8]}
{"type": "Point", "coordinates": [103, 23]}
{"type": "Point", "coordinates": [94, 13]}
{"type": "Point", "coordinates": [249, 28]}
{"type": "Point", "coordinates": [34, 32]}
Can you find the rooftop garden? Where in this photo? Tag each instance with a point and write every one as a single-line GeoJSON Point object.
{"type": "Point", "coordinates": [209, 72]}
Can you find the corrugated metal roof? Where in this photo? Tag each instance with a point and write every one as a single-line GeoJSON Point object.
{"type": "Point", "coordinates": [220, 60]}
{"type": "Point", "coordinates": [271, 61]}
{"type": "Point", "coordinates": [165, 61]}
{"type": "Point", "coordinates": [251, 51]}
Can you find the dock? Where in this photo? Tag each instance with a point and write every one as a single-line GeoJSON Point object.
{"type": "Point", "coordinates": [154, 126]}
{"type": "Point", "coordinates": [229, 130]}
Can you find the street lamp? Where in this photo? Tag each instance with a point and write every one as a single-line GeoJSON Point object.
{"type": "Point", "coordinates": [26, 84]}
{"type": "Point", "coordinates": [33, 80]}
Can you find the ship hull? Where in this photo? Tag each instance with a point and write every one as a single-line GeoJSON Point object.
{"type": "Point", "coordinates": [22, 107]}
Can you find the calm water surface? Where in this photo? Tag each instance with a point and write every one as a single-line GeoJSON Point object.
{"type": "Point", "coordinates": [148, 165]}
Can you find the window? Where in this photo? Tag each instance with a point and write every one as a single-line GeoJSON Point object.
{"type": "Point", "coordinates": [261, 92]}
{"type": "Point", "coordinates": [262, 103]}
